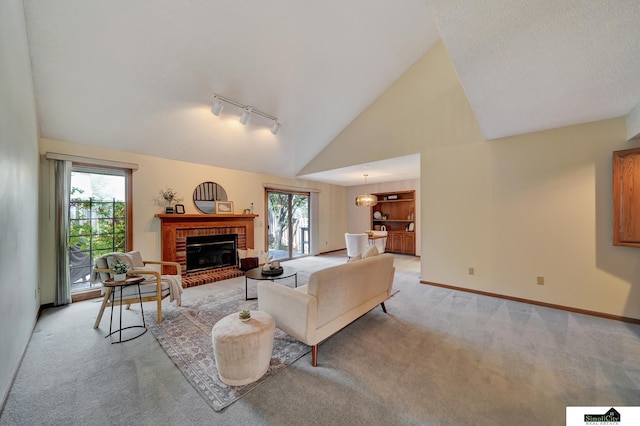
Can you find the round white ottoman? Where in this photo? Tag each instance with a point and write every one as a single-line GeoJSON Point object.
{"type": "Point", "coordinates": [243, 348]}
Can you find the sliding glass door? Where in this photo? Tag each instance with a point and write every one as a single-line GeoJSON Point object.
{"type": "Point", "coordinates": [98, 213]}
{"type": "Point", "coordinates": [288, 224]}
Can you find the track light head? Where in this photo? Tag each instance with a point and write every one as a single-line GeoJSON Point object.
{"type": "Point", "coordinates": [246, 115]}
{"type": "Point", "coordinates": [217, 107]}
{"type": "Point", "coordinates": [275, 128]}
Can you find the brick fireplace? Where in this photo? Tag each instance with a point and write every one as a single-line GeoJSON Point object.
{"type": "Point", "coordinates": [176, 228]}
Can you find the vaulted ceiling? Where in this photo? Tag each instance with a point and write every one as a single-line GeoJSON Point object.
{"type": "Point", "coordinates": [140, 75]}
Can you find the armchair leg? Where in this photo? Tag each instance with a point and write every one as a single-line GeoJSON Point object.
{"type": "Point", "coordinates": [384, 309]}
{"type": "Point", "coordinates": [107, 295]}
{"type": "Point", "coordinates": [159, 308]}
{"type": "Point", "coordinates": [314, 355]}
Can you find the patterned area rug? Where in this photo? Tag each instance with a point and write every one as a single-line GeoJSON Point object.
{"type": "Point", "coordinates": [185, 335]}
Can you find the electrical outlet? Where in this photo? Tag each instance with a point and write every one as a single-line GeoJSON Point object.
{"type": "Point", "coordinates": [540, 280]}
{"type": "Point", "coordinates": [471, 270]}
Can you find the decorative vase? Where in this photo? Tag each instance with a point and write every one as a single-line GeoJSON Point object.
{"type": "Point", "coordinates": [120, 277]}
{"type": "Point", "coordinates": [168, 210]}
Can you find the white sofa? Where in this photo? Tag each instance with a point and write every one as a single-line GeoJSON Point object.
{"type": "Point", "coordinates": [333, 298]}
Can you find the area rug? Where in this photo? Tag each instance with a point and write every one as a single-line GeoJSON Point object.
{"type": "Point", "coordinates": [185, 335]}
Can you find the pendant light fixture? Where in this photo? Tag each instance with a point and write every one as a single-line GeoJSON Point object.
{"type": "Point", "coordinates": [366, 199]}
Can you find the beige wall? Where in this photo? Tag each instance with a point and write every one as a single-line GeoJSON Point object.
{"type": "Point", "coordinates": [19, 191]}
{"type": "Point", "coordinates": [156, 173]}
{"type": "Point", "coordinates": [515, 208]}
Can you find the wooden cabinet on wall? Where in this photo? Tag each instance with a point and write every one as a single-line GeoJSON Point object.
{"type": "Point", "coordinates": [395, 211]}
{"type": "Point", "coordinates": [626, 198]}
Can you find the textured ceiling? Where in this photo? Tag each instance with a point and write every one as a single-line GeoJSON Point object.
{"type": "Point", "coordinates": [534, 65]}
{"type": "Point", "coordinates": [140, 75]}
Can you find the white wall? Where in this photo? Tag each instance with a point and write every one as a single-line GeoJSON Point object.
{"type": "Point", "coordinates": [517, 208]}
{"type": "Point", "coordinates": [154, 174]}
{"type": "Point", "coordinates": [19, 193]}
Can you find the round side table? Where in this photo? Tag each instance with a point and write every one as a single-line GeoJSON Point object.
{"type": "Point", "coordinates": [111, 284]}
{"type": "Point", "coordinates": [243, 348]}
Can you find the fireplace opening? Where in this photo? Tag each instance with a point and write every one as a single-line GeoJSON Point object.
{"type": "Point", "coordinates": [208, 252]}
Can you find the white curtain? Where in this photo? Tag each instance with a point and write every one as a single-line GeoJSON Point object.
{"type": "Point", "coordinates": [62, 189]}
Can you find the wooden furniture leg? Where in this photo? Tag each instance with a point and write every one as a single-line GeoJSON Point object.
{"type": "Point", "coordinates": [107, 294]}
{"type": "Point", "coordinates": [314, 355]}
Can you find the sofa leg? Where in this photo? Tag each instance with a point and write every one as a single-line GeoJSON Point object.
{"type": "Point", "coordinates": [383, 308]}
{"type": "Point", "coordinates": [314, 355]}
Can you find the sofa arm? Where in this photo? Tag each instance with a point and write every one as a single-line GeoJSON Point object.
{"type": "Point", "coordinates": [295, 312]}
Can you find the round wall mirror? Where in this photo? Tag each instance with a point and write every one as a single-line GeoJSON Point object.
{"type": "Point", "coordinates": [206, 194]}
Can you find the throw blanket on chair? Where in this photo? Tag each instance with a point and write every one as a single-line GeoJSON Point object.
{"type": "Point", "coordinates": [175, 287]}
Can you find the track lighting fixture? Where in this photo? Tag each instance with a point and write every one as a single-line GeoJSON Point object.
{"type": "Point", "coordinates": [247, 112]}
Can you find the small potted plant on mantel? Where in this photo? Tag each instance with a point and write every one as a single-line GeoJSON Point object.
{"type": "Point", "coordinates": [244, 315]}
{"type": "Point", "coordinates": [120, 269]}
{"type": "Point", "coordinates": [169, 197]}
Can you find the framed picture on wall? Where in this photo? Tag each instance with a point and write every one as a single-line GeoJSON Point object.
{"type": "Point", "coordinates": [224, 207]}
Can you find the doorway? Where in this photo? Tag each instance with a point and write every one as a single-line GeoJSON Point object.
{"type": "Point", "coordinates": [98, 222]}
{"type": "Point", "coordinates": [288, 232]}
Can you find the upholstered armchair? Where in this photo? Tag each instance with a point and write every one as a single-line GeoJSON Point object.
{"type": "Point", "coordinates": [356, 244]}
{"type": "Point", "coordinates": [155, 287]}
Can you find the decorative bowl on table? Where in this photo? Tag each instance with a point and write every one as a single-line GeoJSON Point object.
{"type": "Point", "coordinates": [272, 268]}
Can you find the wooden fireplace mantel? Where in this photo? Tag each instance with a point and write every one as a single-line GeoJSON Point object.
{"type": "Point", "coordinates": [204, 217]}
{"type": "Point", "coordinates": [172, 223]}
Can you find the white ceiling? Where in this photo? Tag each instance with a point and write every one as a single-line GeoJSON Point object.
{"type": "Point", "coordinates": [533, 65]}
{"type": "Point", "coordinates": [140, 75]}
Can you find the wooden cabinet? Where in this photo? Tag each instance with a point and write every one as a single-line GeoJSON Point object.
{"type": "Point", "coordinates": [395, 212]}
{"type": "Point", "coordinates": [408, 243]}
{"type": "Point", "coordinates": [394, 242]}
{"type": "Point", "coordinates": [401, 242]}
{"type": "Point", "coordinates": [626, 198]}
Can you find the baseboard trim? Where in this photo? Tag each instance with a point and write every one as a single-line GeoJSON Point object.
{"type": "Point", "coordinates": [535, 302]}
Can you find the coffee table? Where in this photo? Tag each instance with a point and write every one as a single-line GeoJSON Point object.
{"type": "Point", "coordinates": [256, 274]}
{"type": "Point", "coordinates": [111, 284]}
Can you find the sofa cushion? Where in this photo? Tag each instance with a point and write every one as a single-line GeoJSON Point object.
{"type": "Point", "coordinates": [355, 258]}
{"type": "Point", "coordinates": [106, 261]}
{"type": "Point", "coordinates": [341, 288]}
{"type": "Point", "coordinates": [248, 263]}
{"type": "Point", "coordinates": [371, 251]}
{"type": "Point", "coordinates": [147, 289]}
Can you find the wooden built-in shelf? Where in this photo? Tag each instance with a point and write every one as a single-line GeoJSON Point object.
{"type": "Point", "coordinates": [397, 211]}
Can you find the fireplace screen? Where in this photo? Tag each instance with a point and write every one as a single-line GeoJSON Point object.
{"type": "Point", "coordinates": [209, 252]}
